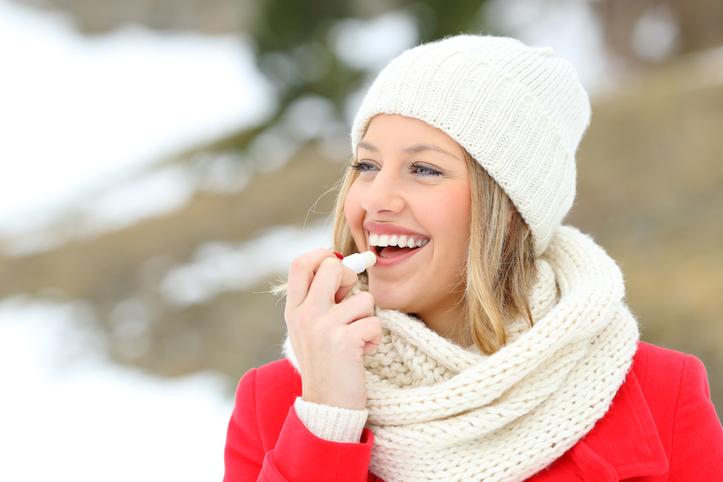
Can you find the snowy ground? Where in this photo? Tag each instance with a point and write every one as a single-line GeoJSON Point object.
{"type": "Point", "coordinates": [68, 415]}
{"type": "Point", "coordinates": [76, 114]}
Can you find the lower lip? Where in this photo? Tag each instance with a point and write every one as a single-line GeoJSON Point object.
{"type": "Point", "coordinates": [397, 259]}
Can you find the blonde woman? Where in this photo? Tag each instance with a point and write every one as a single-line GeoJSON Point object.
{"type": "Point", "coordinates": [489, 341]}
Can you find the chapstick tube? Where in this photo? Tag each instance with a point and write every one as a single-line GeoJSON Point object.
{"type": "Point", "coordinates": [358, 262]}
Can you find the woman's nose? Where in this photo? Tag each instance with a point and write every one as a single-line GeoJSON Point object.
{"type": "Point", "coordinates": [384, 193]}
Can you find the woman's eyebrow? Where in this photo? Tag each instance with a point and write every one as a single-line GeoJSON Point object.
{"type": "Point", "coordinates": [412, 149]}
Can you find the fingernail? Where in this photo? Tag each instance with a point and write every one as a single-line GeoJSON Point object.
{"type": "Point", "coordinates": [338, 255]}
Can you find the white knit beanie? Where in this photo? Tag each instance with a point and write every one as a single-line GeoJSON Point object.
{"type": "Point", "coordinates": [520, 111]}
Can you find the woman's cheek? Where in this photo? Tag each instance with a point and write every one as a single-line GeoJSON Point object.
{"type": "Point", "coordinates": [349, 204]}
{"type": "Point", "coordinates": [353, 214]}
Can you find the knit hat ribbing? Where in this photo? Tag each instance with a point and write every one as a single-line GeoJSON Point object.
{"type": "Point", "coordinates": [520, 111]}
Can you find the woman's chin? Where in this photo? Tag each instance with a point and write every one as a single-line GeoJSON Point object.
{"type": "Point", "coordinates": [385, 302]}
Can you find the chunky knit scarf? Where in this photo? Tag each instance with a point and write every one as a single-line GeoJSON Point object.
{"type": "Point", "coordinates": [440, 411]}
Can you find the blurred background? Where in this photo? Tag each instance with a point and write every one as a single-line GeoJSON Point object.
{"type": "Point", "coordinates": [164, 160]}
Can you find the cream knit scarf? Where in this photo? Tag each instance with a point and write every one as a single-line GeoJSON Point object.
{"type": "Point", "coordinates": [443, 412]}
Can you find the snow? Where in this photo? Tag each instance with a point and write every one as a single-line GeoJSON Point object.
{"type": "Point", "coordinates": [68, 415]}
{"type": "Point", "coordinates": [79, 112]}
{"type": "Point", "coordinates": [218, 267]}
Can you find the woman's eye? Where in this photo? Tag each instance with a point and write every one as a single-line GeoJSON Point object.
{"type": "Point", "coordinates": [423, 170]}
{"type": "Point", "coordinates": [428, 170]}
{"type": "Point", "coordinates": [360, 166]}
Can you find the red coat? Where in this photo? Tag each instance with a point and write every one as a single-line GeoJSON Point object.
{"type": "Point", "coordinates": [661, 426]}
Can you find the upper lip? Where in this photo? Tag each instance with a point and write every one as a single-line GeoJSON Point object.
{"type": "Point", "coordinates": [389, 228]}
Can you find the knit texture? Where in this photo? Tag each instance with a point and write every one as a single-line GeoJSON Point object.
{"type": "Point", "coordinates": [337, 424]}
{"type": "Point", "coordinates": [520, 112]}
{"type": "Point", "coordinates": [440, 411]}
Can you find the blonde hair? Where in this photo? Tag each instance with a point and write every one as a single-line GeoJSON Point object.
{"type": "Point", "coordinates": [500, 268]}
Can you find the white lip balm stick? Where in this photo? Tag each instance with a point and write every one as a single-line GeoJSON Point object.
{"type": "Point", "coordinates": [358, 262]}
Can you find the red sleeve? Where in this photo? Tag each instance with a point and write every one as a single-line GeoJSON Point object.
{"type": "Point", "coordinates": [697, 451]}
{"type": "Point", "coordinates": [298, 456]}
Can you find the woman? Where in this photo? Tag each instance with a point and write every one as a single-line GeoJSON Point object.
{"type": "Point", "coordinates": [497, 347]}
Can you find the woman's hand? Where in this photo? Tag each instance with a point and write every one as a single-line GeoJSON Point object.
{"type": "Point", "coordinates": [330, 338]}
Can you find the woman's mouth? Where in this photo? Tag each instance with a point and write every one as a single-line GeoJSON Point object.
{"type": "Point", "coordinates": [392, 255]}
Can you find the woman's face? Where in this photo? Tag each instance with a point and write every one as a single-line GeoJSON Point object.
{"type": "Point", "coordinates": [404, 187]}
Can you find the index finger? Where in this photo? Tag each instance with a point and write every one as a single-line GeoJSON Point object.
{"type": "Point", "coordinates": [302, 271]}
{"type": "Point", "coordinates": [331, 278]}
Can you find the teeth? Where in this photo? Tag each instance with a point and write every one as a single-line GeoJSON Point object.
{"type": "Point", "coordinates": [401, 240]}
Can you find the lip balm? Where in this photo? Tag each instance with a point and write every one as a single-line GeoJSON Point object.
{"type": "Point", "coordinates": [358, 262]}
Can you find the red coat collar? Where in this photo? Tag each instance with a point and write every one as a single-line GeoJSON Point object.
{"type": "Point", "coordinates": [624, 443]}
